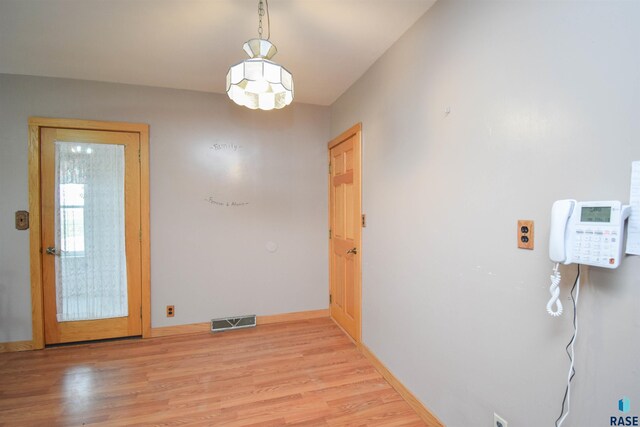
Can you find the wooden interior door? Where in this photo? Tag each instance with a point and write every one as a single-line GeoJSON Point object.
{"type": "Point", "coordinates": [75, 251]}
{"type": "Point", "coordinates": [345, 231]}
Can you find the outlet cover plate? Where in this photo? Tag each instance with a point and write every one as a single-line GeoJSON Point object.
{"type": "Point", "coordinates": [498, 421]}
{"type": "Point", "coordinates": [525, 234]}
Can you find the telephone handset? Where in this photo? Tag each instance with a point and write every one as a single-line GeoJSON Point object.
{"type": "Point", "coordinates": [560, 213]}
{"type": "Point", "coordinates": [588, 233]}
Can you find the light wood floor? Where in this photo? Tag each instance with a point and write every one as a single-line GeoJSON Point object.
{"type": "Point", "coordinates": [303, 373]}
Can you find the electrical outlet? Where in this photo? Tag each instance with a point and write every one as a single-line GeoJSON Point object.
{"type": "Point", "coordinates": [498, 421]}
{"type": "Point", "coordinates": [171, 311]}
{"type": "Point", "coordinates": [525, 234]}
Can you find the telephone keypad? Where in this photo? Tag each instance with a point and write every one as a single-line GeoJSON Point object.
{"type": "Point", "coordinates": [595, 247]}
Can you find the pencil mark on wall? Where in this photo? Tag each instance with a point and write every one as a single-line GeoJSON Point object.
{"type": "Point", "coordinates": [226, 147]}
{"type": "Point", "coordinates": [215, 202]}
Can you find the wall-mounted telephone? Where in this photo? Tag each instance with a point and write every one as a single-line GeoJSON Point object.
{"type": "Point", "coordinates": [589, 233]}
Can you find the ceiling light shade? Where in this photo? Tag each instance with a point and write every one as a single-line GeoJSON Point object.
{"type": "Point", "coordinates": [258, 82]}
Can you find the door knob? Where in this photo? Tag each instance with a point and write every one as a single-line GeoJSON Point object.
{"type": "Point", "coordinates": [353, 251]}
{"type": "Point", "coordinates": [52, 251]}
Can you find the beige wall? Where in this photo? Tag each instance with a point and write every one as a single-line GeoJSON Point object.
{"type": "Point", "coordinates": [544, 101]}
{"type": "Point", "coordinates": [207, 260]}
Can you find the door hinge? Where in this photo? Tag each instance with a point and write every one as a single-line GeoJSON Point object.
{"type": "Point", "coordinates": [140, 235]}
{"type": "Point", "coordinates": [330, 298]}
{"type": "Point", "coordinates": [329, 233]}
{"type": "Point", "coordinates": [364, 220]}
{"type": "Point", "coordinates": [139, 155]}
{"type": "Point", "coordinates": [141, 312]}
{"type": "Point", "coordinates": [329, 168]}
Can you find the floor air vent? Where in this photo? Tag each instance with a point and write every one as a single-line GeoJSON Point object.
{"type": "Point", "coordinates": [227, 323]}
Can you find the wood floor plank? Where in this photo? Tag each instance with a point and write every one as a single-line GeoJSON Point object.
{"type": "Point", "coordinates": [305, 373]}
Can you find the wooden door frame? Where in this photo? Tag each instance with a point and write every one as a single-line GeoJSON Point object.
{"type": "Point", "coordinates": [35, 230]}
{"type": "Point", "coordinates": [355, 130]}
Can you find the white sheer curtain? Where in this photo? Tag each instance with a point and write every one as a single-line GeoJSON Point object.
{"type": "Point", "coordinates": [91, 272]}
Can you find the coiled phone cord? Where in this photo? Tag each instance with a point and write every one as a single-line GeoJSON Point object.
{"type": "Point", "coordinates": [554, 290]}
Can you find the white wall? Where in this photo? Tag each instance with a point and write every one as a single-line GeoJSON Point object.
{"type": "Point", "coordinates": [544, 100]}
{"type": "Point", "coordinates": [207, 260]}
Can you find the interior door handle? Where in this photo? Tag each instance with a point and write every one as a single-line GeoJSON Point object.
{"type": "Point", "coordinates": [52, 251]}
{"type": "Point", "coordinates": [353, 251]}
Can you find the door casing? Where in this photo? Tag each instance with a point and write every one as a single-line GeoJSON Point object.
{"type": "Point", "coordinates": [37, 301]}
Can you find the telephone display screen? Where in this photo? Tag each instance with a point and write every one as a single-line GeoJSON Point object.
{"type": "Point", "coordinates": [595, 214]}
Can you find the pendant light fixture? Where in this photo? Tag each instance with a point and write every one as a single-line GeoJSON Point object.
{"type": "Point", "coordinates": [258, 82]}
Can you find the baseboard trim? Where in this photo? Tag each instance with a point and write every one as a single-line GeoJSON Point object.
{"type": "Point", "coordinates": [6, 347]}
{"type": "Point", "coordinates": [422, 411]}
{"type": "Point", "coordinates": [190, 328]}
{"type": "Point", "coordinates": [260, 320]}
{"type": "Point", "coordinates": [292, 317]}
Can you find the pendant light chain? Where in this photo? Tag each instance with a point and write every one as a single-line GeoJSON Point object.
{"type": "Point", "coordinates": [261, 13]}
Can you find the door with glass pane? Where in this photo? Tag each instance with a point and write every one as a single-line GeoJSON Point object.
{"type": "Point", "coordinates": [90, 183]}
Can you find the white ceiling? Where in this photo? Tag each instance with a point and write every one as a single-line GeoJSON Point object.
{"type": "Point", "coordinates": [190, 44]}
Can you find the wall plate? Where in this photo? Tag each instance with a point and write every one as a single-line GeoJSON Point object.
{"type": "Point", "coordinates": [498, 421]}
{"type": "Point", "coordinates": [525, 234]}
{"type": "Point", "coordinates": [22, 220]}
